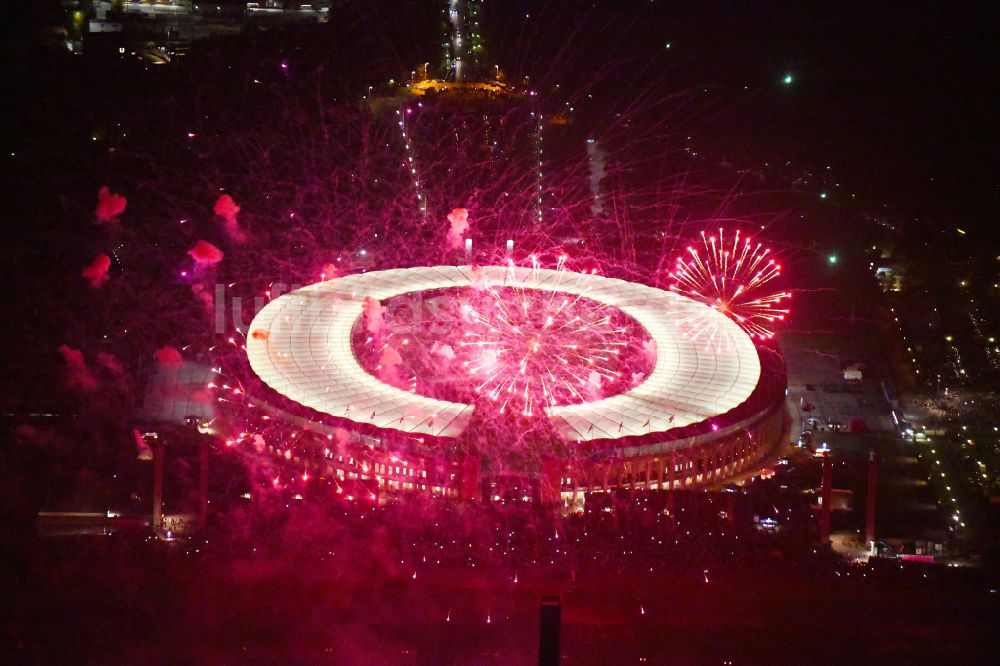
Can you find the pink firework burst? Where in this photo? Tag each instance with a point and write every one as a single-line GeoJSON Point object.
{"type": "Point", "coordinates": [732, 275]}
{"type": "Point", "coordinates": [531, 349]}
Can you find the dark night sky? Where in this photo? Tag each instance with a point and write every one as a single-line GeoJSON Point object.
{"type": "Point", "coordinates": [900, 98]}
{"type": "Point", "coordinates": [893, 95]}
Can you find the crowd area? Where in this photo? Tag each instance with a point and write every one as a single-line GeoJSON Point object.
{"type": "Point", "coordinates": [432, 581]}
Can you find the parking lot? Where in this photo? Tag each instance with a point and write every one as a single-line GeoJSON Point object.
{"type": "Point", "coordinates": [817, 391]}
{"type": "Point", "coordinates": [817, 388]}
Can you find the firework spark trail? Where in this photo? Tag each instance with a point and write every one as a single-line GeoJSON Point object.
{"type": "Point", "coordinates": [540, 346]}
{"type": "Point", "coordinates": [357, 183]}
{"type": "Point", "coordinates": [731, 276]}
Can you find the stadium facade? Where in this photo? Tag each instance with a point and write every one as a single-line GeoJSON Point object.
{"type": "Point", "coordinates": [706, 412]}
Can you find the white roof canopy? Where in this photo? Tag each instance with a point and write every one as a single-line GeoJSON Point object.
{"type": "Point", "coordinates": [299, 344]}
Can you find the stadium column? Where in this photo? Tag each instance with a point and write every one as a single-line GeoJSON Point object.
{"type": "Point", "coordinates": [549, 639]}
{"type": "Point", "coordinates": [827, 498]}
{"type": "Point", "coordinates": [469, 483]}
{"type": "Point", "coordinates": [672, 481]}
{"type": "Point", "coordinates": [551, 482]}
{"type": "Point", "coordinates": [870, 503]}
{"type": "Point", "coordinates": [158, 454]}
{"type": "Point", "coordinates": [203, 484]}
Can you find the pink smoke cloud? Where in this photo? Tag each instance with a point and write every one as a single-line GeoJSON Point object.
{"type": "Point", "coordinates": [97, 271]}
{"type": "Point", "coordinates": [203, 395]}
{"type": "Point", "coordinates": [110, 362]}
{"type": "Point", "coordinates": [488, 359]}
{"type": "Point", "coordinates": [26, 433]}
{"type": "Point", "coordinates": [142, 449]}
{"type": "Point", "coordinates": [592, 387]}
{"type": "Point", "coordinates": [169, 357]}
{"type": "Point", "coordinates": [459, 220]}
{"type": "Point", "coordinates": [205, 254]}
{"type": "Point", "coordinates": [443, 350]}
{"type": "Point", "coordinates": [389, 358]}
{"type": "Point", "coordinates": [78, 375]}
{"type": "Point", "coordinates": [205, 296]}
{"type": "Point", "coordinates": [328, 272]}
{"type": "Point", "coordinates": [649, 350]}
{"type": "Point", "coordinates": [373, 311]}
{"type": "Point", "coordinates": [479, 278]}
{"type": "Point", "coordinates": [388, 367]}
{"type": "Point", "coordinates": [227, 209]}
{"type": "Point", "coordinates": [109, 205]}
{"type": "Point", "coordinates": [467, 313]}
{"type": "Point", "coordinates": [343, 436]}
{"type": "Point", "coordinates": [259, 442]}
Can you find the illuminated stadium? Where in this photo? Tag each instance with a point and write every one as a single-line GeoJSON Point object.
{"type": "Point", "coordinates": [616, 383]}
